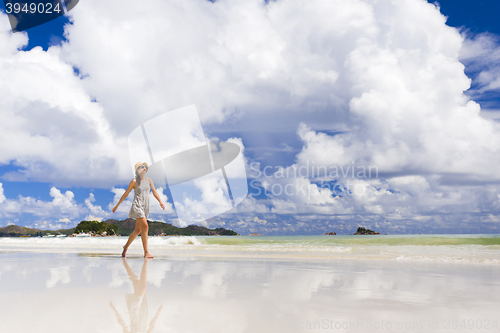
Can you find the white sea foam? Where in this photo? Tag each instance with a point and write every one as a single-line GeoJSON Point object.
{"type": "Point", "coordinates": [182, 240]}
{"type": "Point", "coordinates": [289, 247]}
{"type": "Point", "coordinates": [92, 242]}
{"type": "Point", "coordinates": [465, 260]}
{"type": "Point", "coordinates": [281, 248]}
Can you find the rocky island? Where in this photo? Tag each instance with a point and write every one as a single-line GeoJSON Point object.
{"type": "Point", "coordinates": [363, 231]}
{"type": "Point", "coordinates": [116, 228]}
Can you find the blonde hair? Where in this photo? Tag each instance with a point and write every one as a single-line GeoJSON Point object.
{"type": "Point", "coordinates": [137, 166]}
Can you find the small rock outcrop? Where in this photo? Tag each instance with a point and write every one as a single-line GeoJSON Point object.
{"type": "Point", "coordinates": [363, 231]}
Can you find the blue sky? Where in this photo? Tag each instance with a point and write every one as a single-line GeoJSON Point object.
{"type": "Point", "coordinates": [322, 95]}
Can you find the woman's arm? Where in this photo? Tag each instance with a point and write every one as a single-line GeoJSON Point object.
{"type": "Point", "coordinates": [155, 193]}
{"type": "Point", "coordinates": [125, 195]}
{"type": "Point", "coordinates": [153, 321]}
{"type": "Point", "coordinates": [119, 318]}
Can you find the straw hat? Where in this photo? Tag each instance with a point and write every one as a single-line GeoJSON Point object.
{"type": "Point", "coordinates": [138, 164]}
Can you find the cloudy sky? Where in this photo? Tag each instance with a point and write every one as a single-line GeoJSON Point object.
{"type": "Point", "coordinates": [349, 113]}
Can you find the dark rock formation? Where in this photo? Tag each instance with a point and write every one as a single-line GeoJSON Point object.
{"type": "Point", "coordinates": [363, 231]}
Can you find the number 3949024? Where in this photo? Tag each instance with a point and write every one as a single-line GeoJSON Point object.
{"type": "Point", "coordinates": [32, 8]}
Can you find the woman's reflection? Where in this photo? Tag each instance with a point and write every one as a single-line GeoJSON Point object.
{"type": "Point", "coordinates": [137, 302]}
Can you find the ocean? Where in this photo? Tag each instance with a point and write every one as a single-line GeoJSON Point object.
{"type": "Point", "coordinates": [473, 249]}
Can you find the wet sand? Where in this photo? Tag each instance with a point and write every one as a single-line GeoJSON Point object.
{"type": "Point", "coordinates": [101, 292]}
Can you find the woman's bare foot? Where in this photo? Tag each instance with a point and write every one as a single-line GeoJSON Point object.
{"type": "Point", "coordinates": [148, 255]}
{"type": "Point", "coordinates": [124, 253]}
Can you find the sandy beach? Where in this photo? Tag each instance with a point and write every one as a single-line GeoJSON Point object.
{"type": "Point", "coordinates": [199, 291]}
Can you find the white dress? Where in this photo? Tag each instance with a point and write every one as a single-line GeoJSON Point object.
{"type": "Point", "coordinates": [138, 311]}
{"type": "Point", "coordinates": [140, 204]}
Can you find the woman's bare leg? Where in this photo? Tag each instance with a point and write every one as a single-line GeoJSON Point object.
{"type": "Point", "coordinates": [131, 238]}
{"type": "Point", "coordinates": [144, 235]}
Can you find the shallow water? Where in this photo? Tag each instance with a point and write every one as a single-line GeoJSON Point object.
{"type": "Point", "coordinates": [476, 249]}
{"type": "Point", "coordinates": [97, 292]}
{"type": "Point", "coordinates": [410, 283]}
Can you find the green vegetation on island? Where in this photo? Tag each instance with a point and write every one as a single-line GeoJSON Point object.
{"type": "Point", "coordinates": [101, 228]}
{"type": "Point", "coordinates": [363, 231]}
{"type": "Point", "coordinates": [125, 227]}
{"type": "Point", "coordinates": [118, 227]}
{"type": "Point", "coordinates": [16, 231]}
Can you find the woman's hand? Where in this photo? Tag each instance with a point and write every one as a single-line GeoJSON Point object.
{"type": "Point", "coordinates": [115, 208]}
{"type": "Point", "coordinates": [162, 206]}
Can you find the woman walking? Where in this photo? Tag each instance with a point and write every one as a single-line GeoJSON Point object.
{"type": "Point", "coordinates": [140, 206]}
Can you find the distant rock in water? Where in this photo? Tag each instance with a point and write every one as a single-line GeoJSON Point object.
{"type": "Point", "coordinates": [363, 231]}
{"type": "Point", "coordinates": [331, 233]}
{"type": "Point", "coordinates": [254, 235]}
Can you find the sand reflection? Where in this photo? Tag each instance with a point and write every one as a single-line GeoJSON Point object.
{"type": "Point", "coordinates": [137, 303]}
{"type": "Point", "coordinates": [59, 293]}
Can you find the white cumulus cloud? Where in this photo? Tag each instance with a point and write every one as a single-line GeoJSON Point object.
{"type": "Point", "coordinates": [361, 82]}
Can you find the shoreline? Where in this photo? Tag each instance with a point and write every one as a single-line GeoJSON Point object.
{"type": "Point", "coordinates": [456, 249]}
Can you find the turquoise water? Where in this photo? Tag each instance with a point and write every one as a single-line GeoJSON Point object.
{"type": "Point", "coordinates": [477, 249]}
{"type": "Point", "coordinates": [354, 240]}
